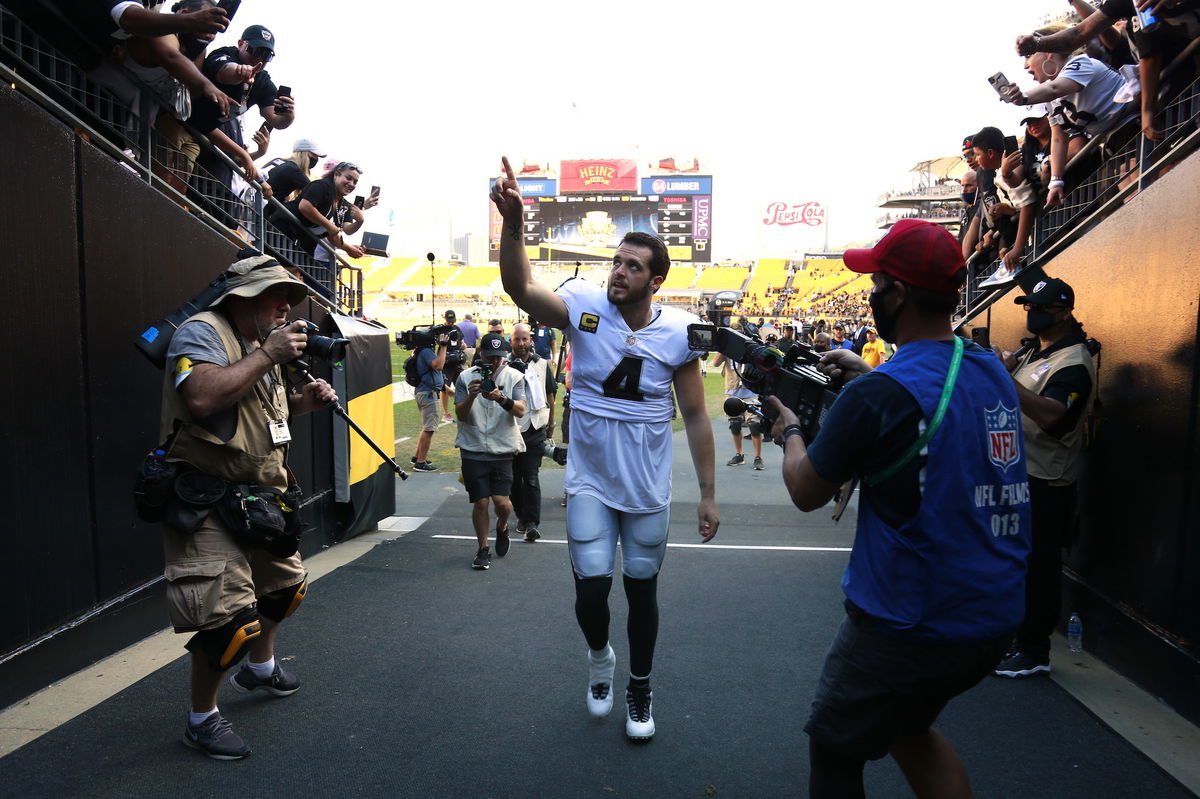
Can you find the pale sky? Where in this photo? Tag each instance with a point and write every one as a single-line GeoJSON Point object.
{"type": "Point", "coordinates": [780, 101]}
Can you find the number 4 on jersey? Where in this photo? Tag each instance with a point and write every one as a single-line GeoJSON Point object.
{"type": "Point", "coordinates": [623, 382]}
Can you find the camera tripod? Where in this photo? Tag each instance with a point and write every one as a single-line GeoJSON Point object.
{"type": "Point", "coordinates": [299, 368]}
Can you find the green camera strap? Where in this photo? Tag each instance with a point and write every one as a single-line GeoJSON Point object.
{"type": "Point", "coordinates": [938, 415]}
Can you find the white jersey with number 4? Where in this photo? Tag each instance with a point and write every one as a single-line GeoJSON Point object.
{"type": "Point", "coordinates": [621, 399]}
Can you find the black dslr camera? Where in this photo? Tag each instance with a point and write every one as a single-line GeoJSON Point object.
{"type": "Point", "coordinates": [323, 347]}
{"type": "Point", "coordinates": [766, 370]}
{"type": "Point", "coordinates": [486, 384]}
{"type": "Point", "coordinates": [427, 336]}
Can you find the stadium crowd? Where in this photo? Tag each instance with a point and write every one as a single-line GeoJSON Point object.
{"type": "Point", "coordinates": [1102, 78]}
{"type": "Point", "coordinates": [158, 63]}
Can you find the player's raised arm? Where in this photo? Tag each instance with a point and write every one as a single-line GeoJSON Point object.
{"type": "Point", "coordinates": [515, 273]}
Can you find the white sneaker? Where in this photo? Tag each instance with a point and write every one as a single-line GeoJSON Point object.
{"type": "Point", "coordinates": [600, 682]}
{"type": "Point", "coordinates": [998, 278]}
{"type": "Point", "coordinates": [639, 725]}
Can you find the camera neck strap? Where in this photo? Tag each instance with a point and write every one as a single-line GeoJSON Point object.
{"type": "Point", "coordinates": [934, 424]}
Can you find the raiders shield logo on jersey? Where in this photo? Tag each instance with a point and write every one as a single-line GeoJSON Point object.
{"type": "Point", "coordinates": [589, 322]}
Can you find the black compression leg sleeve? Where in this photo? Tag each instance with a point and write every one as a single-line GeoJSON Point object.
{"type": "Point", "coordinates": [832, 775]}
{"type": "Point", "coordinates": [591, 609]}
{"type": "Point", "coordinates": [643, 623]}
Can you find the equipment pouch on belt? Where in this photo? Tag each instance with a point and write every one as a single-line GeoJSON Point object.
{"type": "Point", "coordinates": [256, 517]}
{"type": "Point", "coordinates": [153, 486]}
{"type": "Point", "coordinates": [194, 496]}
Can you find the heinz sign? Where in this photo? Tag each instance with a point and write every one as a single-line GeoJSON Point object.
{"type": "Point", "coordinates": [614, 174]}
{"type": "Point", "coordinates": [780, 213]}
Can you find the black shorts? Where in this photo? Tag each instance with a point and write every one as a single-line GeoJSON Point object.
{"type": "Point", "coordinates": [876, 689]}
{"type": "Point", "coordinates": [485, 479]}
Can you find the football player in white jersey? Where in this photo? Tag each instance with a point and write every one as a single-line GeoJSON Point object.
{"type": "Point", "coordinates": [629, 353]}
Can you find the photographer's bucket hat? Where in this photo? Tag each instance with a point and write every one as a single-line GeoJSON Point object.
{"type": "Point", "coordinates": [250, 277]}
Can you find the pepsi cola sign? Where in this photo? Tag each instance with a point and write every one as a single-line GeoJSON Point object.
{"type": "Point", "coordinates": [780, 213]}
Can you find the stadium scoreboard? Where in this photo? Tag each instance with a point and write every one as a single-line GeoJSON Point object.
{"type": "Point", "coordinates": [584, 212]}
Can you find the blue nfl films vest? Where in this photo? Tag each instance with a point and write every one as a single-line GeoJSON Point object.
{"type": "Point", "coordinates": [956, 571]}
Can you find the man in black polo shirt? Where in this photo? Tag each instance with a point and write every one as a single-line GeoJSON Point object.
{"type": "Point", "coordinates": [240, 72]}
{"type": "Point", "coordinates": [1055, 383]}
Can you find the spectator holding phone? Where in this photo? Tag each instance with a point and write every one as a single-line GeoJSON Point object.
{"type": "Point", "coordinates": [993, 152]}
{"type": "Point", "coordinates": [323, 210]}
{"type": "Point", "coordinates": [161, 63]}
{"type": "Point", "coordinates": [1080, 92]}
{"type": "Point", "coordinates": [240, 72]}
{"type": "Point", "coordinates": [1178, 24]}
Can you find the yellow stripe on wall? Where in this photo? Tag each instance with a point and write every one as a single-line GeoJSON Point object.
{"type": "Point", "coordinates": [373, 413]}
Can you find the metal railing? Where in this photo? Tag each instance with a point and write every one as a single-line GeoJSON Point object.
{"type": "Point", "coordinates": [1114, 167]}
{"type": "Point", "coordinates": [117, 112]}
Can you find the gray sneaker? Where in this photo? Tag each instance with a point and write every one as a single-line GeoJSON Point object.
{"type": "Point", "coordinates": [758, 464]}
{"type": "Point", "coordinates": [736, 460]}
{"type": "Point", "coordinates": [215, 737]}
{"type": "Point", "coordinates": [483, 559]}
{"type": "Point", "coordinates": [280, 683]}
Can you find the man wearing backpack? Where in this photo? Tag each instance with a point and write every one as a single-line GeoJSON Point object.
{"type": "Point", "coordinates": [429, 387]}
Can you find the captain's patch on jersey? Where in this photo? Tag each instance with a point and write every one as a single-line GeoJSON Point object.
{"type": "Point", "coordinates": [1003, 435]}
{"type": "Point", "coordinates": [589, 322]}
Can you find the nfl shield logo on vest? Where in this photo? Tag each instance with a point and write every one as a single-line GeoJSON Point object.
{"type": "Point", "coordinates": [1003, 435]}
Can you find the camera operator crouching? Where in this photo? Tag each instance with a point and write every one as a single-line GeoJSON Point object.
{"type": "Point", "coordinates": [429, 367]}
{"type": "Point", "coordinates": [234, 575]}
{"type": "Point", "coordinates": [935, 583]}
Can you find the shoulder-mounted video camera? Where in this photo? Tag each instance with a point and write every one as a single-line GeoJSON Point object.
{"type": "Point", "coordinates": [792, 377]}
{"type": "Point", "coordinates": [427, 336]}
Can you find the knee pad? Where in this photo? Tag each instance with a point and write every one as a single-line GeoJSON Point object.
{"type": "Point", "coordinates": [755, 428]}
{"type": "Point", "coordinates": [735, 425]}
{"type": "Point", "coordinates": [224, 646]}
{"type": "Point", "coordinates": [278, 605]}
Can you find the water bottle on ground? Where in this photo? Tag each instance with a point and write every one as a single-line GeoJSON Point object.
{"type": "Point", "coordinates": [1075, 633]}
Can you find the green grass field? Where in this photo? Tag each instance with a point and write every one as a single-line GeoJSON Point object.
{"type": "Point", "coordinates": [443, 452]}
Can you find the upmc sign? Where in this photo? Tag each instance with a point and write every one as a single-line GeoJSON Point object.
{"type": "Point", "coordinates": [598, 176]}
{"type": "Point", "coordinates": [779, 213]}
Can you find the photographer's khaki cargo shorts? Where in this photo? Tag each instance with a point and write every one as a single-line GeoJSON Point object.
{"type": "Point", "coordinates": [210, 578]}
{"type": "Point", "coordinates": [431, 412]}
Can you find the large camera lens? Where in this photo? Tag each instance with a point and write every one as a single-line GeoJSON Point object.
{"type": "Point", "coordinates": [487, 385]}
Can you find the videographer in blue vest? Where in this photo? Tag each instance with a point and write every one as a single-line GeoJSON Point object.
{"type": "Point", "coordinates": [935, 585]}
{"type": "Point", "coordinates": [1054, 377]}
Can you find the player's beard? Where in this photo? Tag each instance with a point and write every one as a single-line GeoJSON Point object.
{"type": "Point", "coordinates": [630, 298]}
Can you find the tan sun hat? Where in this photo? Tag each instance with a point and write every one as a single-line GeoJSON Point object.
{"type": "Point", "coordinates": [250, 277]}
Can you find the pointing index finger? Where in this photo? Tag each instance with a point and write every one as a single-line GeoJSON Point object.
{"type": "Point", "coordinates": [507, 168]}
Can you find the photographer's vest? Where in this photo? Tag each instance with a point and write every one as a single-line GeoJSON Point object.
{"type": "Point", "coordinates": [1055, 460]}
{"type": "Point", "coordinates": [956, 570]}
{"type": "Point", "coordinates": [490, 429]}
{"type": "Point", "coordinates": [249, 456]}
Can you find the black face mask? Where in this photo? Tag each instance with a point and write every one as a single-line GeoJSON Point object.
{"type": "Point", "coordinates": [885, 325]}
{"type": "Point", "coordinates": [968, 197]}
{"type": "Point", "coordinates": [1038, 321]}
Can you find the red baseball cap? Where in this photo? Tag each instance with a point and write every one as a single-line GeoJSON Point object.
{"type": "Point", "coordinates": [916, 252]}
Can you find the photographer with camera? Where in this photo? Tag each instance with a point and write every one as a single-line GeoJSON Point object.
{"type": "Point", "coordinates": [1055, 379]}
{"type": "Point", "coordinates": [225, 420]}
{"type": "Point", "coordinates": [488, 437]}
{"type": "Point", "coordinates": [935, 583]}
{"type": "Point", "coordinates": [429, 367]}
{"type": "Point", "coordinates": [629, 353]}
{"type": "Point", "coordinates": [537, 427]}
